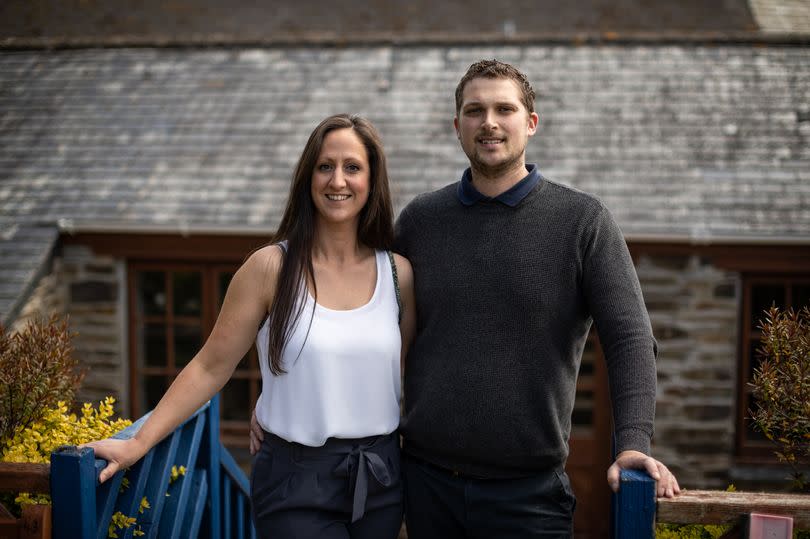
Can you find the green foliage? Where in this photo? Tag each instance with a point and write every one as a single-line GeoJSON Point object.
{"type": "Point", "coordinates": [781, 387]}
{"type": "Point", "coordinates": [689, 531]}
{"type": "Point", "coordinates": [37, 370]}
{"type": "Point", "coordinates": [697, 531]}
{"type": "Point", "coordinates": [692, 531]}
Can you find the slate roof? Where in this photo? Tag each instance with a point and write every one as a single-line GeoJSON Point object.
{"type": "Point", "coordinates": [687, 142]}
{"type": "Point", "coordinates": [154, 22]}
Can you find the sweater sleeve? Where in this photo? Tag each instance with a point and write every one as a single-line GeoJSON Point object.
{"type": "Point", "coordinates": [613, 294]}
{"type": "Point", "coordinates": [402, 230]}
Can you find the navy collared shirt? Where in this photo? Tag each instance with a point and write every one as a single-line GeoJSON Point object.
{"type": "Point", "coordinates": [469, 195]}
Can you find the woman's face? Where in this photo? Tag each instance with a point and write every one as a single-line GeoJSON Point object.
{"type": "Point", "coordinates": [341, 178]}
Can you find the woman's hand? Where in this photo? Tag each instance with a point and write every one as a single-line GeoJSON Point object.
{"type": "Point", "coordinates": [256, 434]}
{"type": "Point", "coordinates": [119, 454]}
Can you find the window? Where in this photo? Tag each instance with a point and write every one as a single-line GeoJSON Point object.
{"type": "Point", "coordinates": [173, 308]}
{"type": "Point", "coordinates": [759, 293]}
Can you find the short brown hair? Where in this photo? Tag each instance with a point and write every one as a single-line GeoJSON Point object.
{"type": "Point", "coordinates": [493, 69]}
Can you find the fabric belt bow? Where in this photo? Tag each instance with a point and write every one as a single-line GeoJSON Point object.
{"type": "Point", "coordinates": [355, 467]}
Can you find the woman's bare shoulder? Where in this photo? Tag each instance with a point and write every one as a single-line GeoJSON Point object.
{"type": "Point", "coordinates": [404, 269]}
{"type": "Point", "coordinates": [266, 259]}
{"type": "Point", "coordinates": [262, 268]}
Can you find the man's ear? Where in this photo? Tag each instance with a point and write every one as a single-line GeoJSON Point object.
{"type": "Point", "coordinates": [455, 126]}
{"type": "Point", "coordinates": [534, 119]}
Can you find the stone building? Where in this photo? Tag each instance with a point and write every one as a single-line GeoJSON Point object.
{"type": "Point", "coordinates": [139, 167]}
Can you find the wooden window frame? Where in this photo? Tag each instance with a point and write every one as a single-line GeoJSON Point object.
{"type": "Point", "coordinates": [750, 450]}
{"type": "Point", "coordinates": [215, 253]}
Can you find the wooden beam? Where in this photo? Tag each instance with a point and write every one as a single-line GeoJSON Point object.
{"type": "Point", "coordinates": [9, 528]}
{"type": "Point", "coordinates": [789, 259]}
{"type": "Point", "coordinates": [36, 522]}
{"type": "Point", "coordinates": [719, 507]}
{"type": "Point", "coordinates": [170, 246]}
{"type": "Point", "coordinates": [25, 477]}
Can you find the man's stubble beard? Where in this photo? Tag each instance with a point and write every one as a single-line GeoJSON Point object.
{"type": "Point", "coordinates": [492, 172]}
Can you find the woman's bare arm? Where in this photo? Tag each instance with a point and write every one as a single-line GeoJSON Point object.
{"type": "Point", "coordinates": [246, 303]}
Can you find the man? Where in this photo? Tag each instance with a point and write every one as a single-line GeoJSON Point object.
{"type": "Point", "coordinates": [510, 269]}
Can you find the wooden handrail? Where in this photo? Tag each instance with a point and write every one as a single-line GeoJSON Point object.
{"type": "Point", "coordinates": [720, 507]}
{"type": "Point", "coordinates": [635, 508]}
{"type": "Point", "coordinates": [25, 477]}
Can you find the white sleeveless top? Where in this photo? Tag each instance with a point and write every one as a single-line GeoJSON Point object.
{"type": "Point", "coordinates": [345, 383]}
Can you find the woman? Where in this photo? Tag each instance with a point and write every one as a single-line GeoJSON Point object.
{"type": "Point", "coordinates": [332, 331]}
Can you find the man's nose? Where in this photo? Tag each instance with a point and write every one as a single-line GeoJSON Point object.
{"type": "Point", "coordinates": [489, 119]}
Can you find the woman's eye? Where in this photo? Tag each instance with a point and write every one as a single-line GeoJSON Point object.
{"type": "Point", "coordinates": [353, 168]}
{"type": "Point", "coordinates": [324, 167]}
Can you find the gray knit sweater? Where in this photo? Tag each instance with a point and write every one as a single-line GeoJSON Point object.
{"type": "Point", "coordinates": [505, 298]}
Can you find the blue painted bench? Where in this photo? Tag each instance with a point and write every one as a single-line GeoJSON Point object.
{"type": "Point", "coordinates": [210, 501]}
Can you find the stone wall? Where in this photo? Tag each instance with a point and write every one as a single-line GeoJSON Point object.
{"type": "Point", "coordinates": [693, 307]}
{"type": "Point", "coordinates": [87, 287]}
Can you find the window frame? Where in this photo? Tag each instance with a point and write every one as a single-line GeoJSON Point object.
{"type": "Point", "coordinates": [223, 248]}
{"type": "Point", "coordinates": [748, 449]}
{"type": "Point", "coordinates": [233, 432]}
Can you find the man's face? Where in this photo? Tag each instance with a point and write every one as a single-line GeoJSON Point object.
{"type": "Point", "coordinates": [494, 126]}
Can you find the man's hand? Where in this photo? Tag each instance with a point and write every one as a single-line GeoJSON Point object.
{"type": "Point", "coordinates": [256, 434]}
{"type": "Point", "coordinates": [667, 485]}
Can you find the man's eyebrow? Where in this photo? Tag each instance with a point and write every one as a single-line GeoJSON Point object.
{"type": "Point", "coordinates": [499, 103]}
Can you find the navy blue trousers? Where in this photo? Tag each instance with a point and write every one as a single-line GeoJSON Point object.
{"type": "Point", "coordinates": [440, 504]}
{"type": "Point", "coordinates": [346, 489]}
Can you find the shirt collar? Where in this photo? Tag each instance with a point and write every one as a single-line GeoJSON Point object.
{"type": "Point", "coordinates": [469, 195]}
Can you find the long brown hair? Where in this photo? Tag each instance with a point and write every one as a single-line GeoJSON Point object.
{"type": "Point", "coordinates": [375, 228]}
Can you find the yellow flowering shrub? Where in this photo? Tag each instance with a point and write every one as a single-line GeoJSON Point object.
{"type": "Point", "coordinates": [56, 427]}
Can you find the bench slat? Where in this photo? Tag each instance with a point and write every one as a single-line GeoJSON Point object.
{"type": "Point", "coordinates": [718, 507]}
{"type": "Point", "coordinates": [25, 477]}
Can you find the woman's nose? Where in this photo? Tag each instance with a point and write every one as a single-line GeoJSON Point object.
{"type": "Point", "coordinates": [338, 178]}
